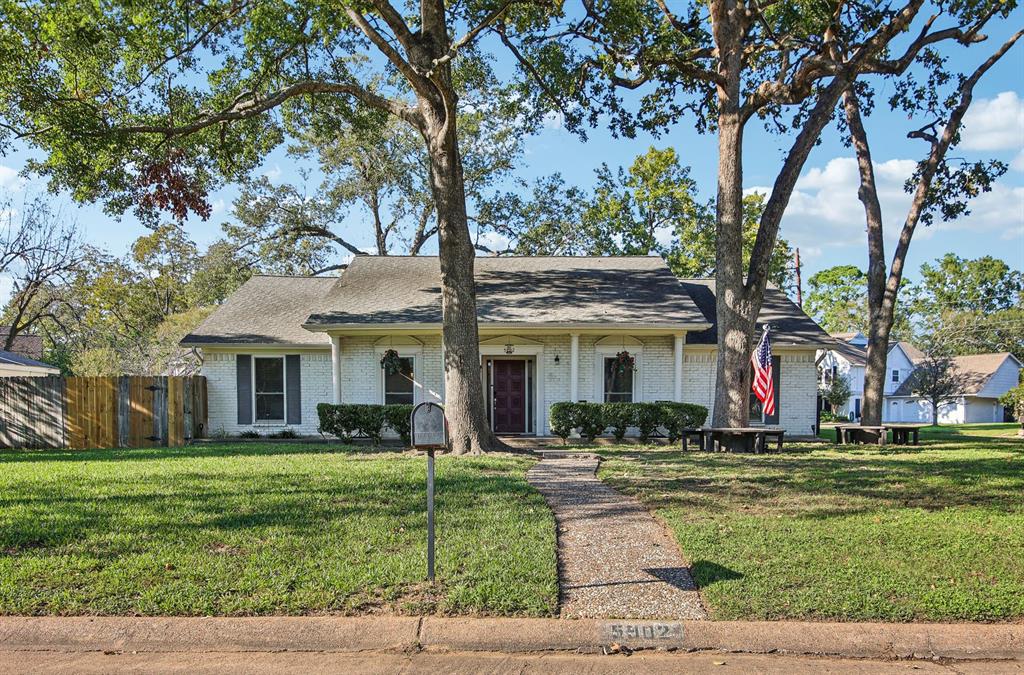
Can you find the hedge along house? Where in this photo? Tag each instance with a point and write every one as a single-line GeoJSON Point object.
{"type": "Point", "coordinates": [550, 330]}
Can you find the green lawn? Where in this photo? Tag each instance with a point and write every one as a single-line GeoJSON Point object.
{"type": "Point", "coordinates": [268, 529]}
{"type": "Point", "coordinates": [859, 533]}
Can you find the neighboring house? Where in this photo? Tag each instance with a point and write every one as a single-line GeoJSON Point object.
{"type": "Point", "coordinates": [550, 328]}
{"type": "Point", "coordinates": [986, 378]}
{"type": "Point", "coordinates": [846, 359]}
{"type": "Point", "coordinates": [26, 345]}
{"type": "Point", "coordinates": [17, 365]}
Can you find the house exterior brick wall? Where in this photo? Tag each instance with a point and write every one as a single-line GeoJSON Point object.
{"type": "Point", "coordinates": [362, 380]}
{"type": "Point", "coordinates": [220, 369]}
{"type": "Point", "coordinates": [798, 381]}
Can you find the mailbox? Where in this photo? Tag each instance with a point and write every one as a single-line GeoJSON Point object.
{"type": "Point", "coordinates": [428, 426]}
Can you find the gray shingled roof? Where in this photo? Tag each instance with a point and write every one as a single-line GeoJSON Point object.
{"type": "Point", "coordinates": [855, 354]}
{"type": "Point", "coordinates": [790, 326]}
{"type": "Point", "coordinates": [24, 344]}
{"type": "Point", "coordinates": [265, 310]}
{"type": "Point", "coordinates": [11, 358]}
{"type": "Point", "coordinates": [514, 290]}
{"type": "Point", "coordinates": [975, 369]}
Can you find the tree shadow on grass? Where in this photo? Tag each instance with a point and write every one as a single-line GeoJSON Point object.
{"type": "Point", "coordinates": [706, 573]}
{"type": "Point", "coordinates": [195, 504]}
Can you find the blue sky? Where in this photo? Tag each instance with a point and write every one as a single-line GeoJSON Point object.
{"type": "Point", "coordinates": [824, 219]}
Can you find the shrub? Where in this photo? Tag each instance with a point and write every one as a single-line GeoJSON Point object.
{"type": "Point", "coordinates": [249, 433]}
{"type": "Point", "coordinates": [591, 419]}
{"type": "Point", "coordinates": [284, 433]}
{"type": "Point", "coordinates": [563, 419]}
{"type": "Point", "coordinates": [398, 417]}
{"type": "Point", "coordinates": [648, 418]}
{"type": "Point", "coordinates": [351, 420]}
{"type": "Point", "coordinates": [678, 416]}
{"type": "Point", "coordinates": [619, 416]}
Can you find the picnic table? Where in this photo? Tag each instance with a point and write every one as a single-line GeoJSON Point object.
{"type": "Point", "coordinates": [716, 439]}
{"type": "Point", "coordinates": [903, 433]}
{"type": "Point", "coordinates": [859, 433]}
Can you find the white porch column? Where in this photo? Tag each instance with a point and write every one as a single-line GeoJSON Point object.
{"type": "Point", "coordinates": [336, 367]}
{"type": "Point", "coordinates": [574, 367]}
{"type": "Point", "coordinates": [677, 354]}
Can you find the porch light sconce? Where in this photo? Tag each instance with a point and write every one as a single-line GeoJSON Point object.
{"type": "Point", "coordinates": [557, 359]}
{"type": "Point", "coordinates": [510, 348]}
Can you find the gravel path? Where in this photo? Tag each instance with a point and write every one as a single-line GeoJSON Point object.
{"type": "Point", "coordinates": [615, 560]}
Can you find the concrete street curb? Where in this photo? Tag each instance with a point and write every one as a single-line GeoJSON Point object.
{"type": "Point", "coordinates": [396, 633]}
{"type": "Point", "coordinates": [201, 634]}
{"type": "Point", "coordinates": [856, 640]}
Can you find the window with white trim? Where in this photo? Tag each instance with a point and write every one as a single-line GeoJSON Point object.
{"type": "Point", "coordinates": [895, 375]}
{"type": "Point", "coordinates": [399, 387]}
{"type": "Point", "coordinates": [618, 383]}
{"type": "Point", "coordinates": [268, 388]}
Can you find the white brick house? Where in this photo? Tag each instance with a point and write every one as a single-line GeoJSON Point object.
{"type": "Point", "coordinates": [549, 330]}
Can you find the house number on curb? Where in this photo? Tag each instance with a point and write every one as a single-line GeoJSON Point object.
{"type": "Point", "coordinates": [429, 430]}
{"type": "Point", "coordinates": [640, 633]}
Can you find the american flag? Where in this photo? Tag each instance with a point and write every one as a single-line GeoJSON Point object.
{"type": "Point", "coordinates": [763, 384]}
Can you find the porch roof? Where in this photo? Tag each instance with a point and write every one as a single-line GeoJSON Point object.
{"type": "Point", "coordinates": [514, 291]}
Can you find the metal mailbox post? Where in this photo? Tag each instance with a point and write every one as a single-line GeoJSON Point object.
{"type": "Point", "coordinates": [429, 430]}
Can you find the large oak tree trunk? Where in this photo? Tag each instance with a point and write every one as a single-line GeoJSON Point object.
{"type": "Point", "coordinates": [734, 314]}
{"type": "Point", "coordinates": [733, 311]}
{"type": "Point", "coordinates": [468, 427]}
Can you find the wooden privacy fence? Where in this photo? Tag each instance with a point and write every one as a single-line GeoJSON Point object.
{"type": "Point", "coordinates": [130, 411]}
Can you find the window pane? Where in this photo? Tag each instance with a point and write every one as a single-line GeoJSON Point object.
{"type": "Point", "coordinates": [269, 375]}
{"type": "Point", "coordinates": [269, 406]}
{"type": "Point", "coordinates": [398, 388]}
{"type": "Point", "coordinates": [618, 386]}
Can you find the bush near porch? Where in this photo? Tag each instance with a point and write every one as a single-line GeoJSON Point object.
{"type": "Point", "coordinates": [356, 420]}
{"type": "Point", "coordinates": [851, 533]}
{"type": "Point", "coordinates": [591, 420]}
{"type": "Point", "coordinates": [253, 529]}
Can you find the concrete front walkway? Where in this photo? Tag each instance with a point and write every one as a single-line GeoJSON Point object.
{"type": "Point", "coordinates": [615, 560]}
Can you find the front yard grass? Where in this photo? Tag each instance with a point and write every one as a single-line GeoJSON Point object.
{"type": "Point", "coordinates": [269, 529]}
{"type": "Point", "coordinates": [934, 533]}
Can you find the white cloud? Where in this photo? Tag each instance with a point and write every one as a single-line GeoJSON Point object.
{"type": "Point", "coordinates": [494, 241]}
{"type": "Point", "coordinates": [10, 180]}
{"type": "Point", "coordinates": [553, 120]}
{"type": "Point", "coordinates": [995, 123]}
{"type": "Point", "coordinates": [824, 211]}
{"type": "Point", "coordinates": [1017, 163]}
{"type": "Point", "coordinates": [6, 287]}
{"type": "Point", "coordinates": [273, 174]}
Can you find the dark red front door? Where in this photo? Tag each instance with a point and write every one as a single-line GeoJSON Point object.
{"type": "Point", "coordinates": [509, 396]}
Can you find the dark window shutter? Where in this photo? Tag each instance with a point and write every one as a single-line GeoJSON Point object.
{"type": "Point", "coordinates": [777, 384]}
{"type": "Point", "coordinates": [243, 371]}
{"type": "Point", "coordinates": [293, 388]}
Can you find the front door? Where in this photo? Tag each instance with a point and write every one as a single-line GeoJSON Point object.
{"type": "Point", "coordinates": [509, 396]}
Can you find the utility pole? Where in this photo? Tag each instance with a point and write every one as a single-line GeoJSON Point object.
{"type": "Point", "coordinates": [799, 285]}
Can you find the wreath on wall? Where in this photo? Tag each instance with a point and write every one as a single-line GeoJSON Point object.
{"type": "Point", "coordinates": [391, 362]}
{"type": "Point", "coordinates": [624, 362]}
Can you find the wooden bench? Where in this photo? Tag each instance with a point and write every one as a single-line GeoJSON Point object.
{"type": "Point", "coordinates": [692, 432]}
{"type": "Point", "coordinates": [754, 439]}
{"type": "Point", "coordinates": [858, 433]}
{"type": "Point", "coordinates": [905, 434]}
